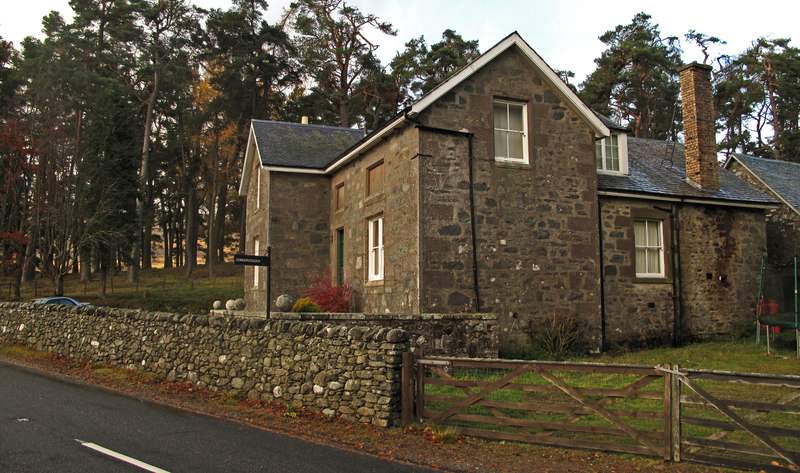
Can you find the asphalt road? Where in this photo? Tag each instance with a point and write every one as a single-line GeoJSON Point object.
{"type": "Point", "coordinates": [53, 424]}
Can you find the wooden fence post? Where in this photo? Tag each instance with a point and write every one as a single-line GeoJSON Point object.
{"type": "Point", "coordinates": [407, 389]}
{"type": "Point", "coordinates": [667, 412]}
{"type": "Point", "coordinates": [676, 414]}
{"type": "Point", "coordinates": [420, 400]}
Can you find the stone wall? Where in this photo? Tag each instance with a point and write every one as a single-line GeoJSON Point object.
{"type": "Point", "coordinates": [462, 335]}
{"type": "Point", "coordinates": [350, 371]}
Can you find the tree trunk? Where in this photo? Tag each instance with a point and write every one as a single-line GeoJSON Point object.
{"type": "Point", "coordinates": [133, 274]}
{"type": "Point", "coordinates": [167, 229]}
{"type": "Point", "coordinates": [222, 201]}
{"type": "Point", "coordinates": [58, 285]}
{"type": "Point", "coordinates": [86, 266]}
{"type": "Point", "coordinates": [147, 247]}
{"type": "Point", "coordinates": [191, 232]}
{"type": "Point", "coordinates": [29, 266]}
{"type": "Point", "coordinates": [101, 283]}
{"type": "Point", "coordinates": [16, 278]}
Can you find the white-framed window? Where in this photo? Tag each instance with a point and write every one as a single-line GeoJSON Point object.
{"type": "Point", "coordinates": [648, 237]}
{"type": "Point", "coordinates": [611, 153]}
{"type": "Point", "coordinates": [258, 187]}
{"type": "Point", "coordinates": [255, 268]}
{"type": "Point", "coordinates": [510, 131]}
{"type": "Point", "coordinates": [376, 249]}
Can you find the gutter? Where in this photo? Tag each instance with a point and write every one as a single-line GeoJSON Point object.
{"type": "Point", "coordinates": [691, 200]}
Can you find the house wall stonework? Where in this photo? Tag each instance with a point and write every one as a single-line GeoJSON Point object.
{"type": "Point", "coordinates": [257, 229]}
{"type": "Point", "coordinates": [637, 312]}
{"type": "Point", "coordinates": [299, 232]}
{"type": "Point", "coordinates": [536, 224]}
{"type": "Point", "coordinates": [720, 251]}
{"type": "Point", "coordinates": [398, 204]}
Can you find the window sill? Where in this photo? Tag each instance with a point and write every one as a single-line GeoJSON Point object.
{"type": "Point", "coordinates": [374, 282]}
{"type": "Point", "coordinates": [652, 280]}
{"type": "Point", "coordinates": [611, 173]}
{"type": "Point", "coordinates": [501, 163]}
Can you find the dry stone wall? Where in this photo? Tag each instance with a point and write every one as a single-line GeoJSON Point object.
{"type": "Point", "coordinates": [349, 371]}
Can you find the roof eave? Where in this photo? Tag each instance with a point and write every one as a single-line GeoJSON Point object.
{"type": "Point", "coordinates": [250, 151]}
{"type": "Point", "coordinates": [365, 145]}
{"type": "Point", "coordinates": [687, 200]}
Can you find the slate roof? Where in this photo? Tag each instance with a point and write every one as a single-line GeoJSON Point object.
{"type": "Point", "coordinates": [782, 177]}
{"type": "Point", "coordinates": [658, 168]}
{"type": "Point", "coordinates": [296, 145]}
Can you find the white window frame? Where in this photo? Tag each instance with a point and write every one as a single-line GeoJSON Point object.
{"type": "Point", "coordinates": [255, 268]}
{"type": "Point", "coordinates": [622, 152]}
{"type": "Point", "coordinates": [258, 187]}
{"type": "Point", "coordinates": [375, 249]}
{"type": "Point", "coordinates": [523, 132]}
{"type": "Point", "coordinates": [647, 248]}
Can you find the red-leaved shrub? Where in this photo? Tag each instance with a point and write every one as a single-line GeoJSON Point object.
{"type": "Point", "coordinates": [328, 296]}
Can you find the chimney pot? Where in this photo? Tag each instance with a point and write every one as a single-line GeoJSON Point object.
{"type": "Point", "coordinates": [698, 125]}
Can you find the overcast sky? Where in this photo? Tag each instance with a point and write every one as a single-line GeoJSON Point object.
{"type": "Point", "coordinates": [563, 32]}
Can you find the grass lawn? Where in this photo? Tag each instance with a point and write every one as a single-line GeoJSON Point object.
{"type": "Point", "coordinates": [166, 290]}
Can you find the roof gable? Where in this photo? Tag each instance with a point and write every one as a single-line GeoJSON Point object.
{"type": "Point", "coordinates": [555, 82]}
{"type": "Point", "coordinates": [781, 177]}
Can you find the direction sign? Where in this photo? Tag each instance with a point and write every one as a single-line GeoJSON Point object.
{"type": "Point", "coordinates": [251, 260]}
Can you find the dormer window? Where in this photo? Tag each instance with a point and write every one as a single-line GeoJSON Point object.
{"type": "Point", "coordinates": [611, 154]}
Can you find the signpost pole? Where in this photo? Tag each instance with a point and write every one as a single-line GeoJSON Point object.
{"type": "Point", "coordinates": [269, 283]}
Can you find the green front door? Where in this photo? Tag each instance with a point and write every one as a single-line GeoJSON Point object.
{"type": "Point", "coordinates": [340, 256]}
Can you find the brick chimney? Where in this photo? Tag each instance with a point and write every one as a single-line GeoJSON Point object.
{"type": "Point", "coordinates": [698, 126]}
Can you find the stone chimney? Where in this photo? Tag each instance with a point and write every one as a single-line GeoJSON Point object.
{"type": "Point", "coordinates": [698, 126]}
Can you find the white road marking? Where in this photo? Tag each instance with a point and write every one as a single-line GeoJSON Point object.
{"type": "Point", "coordinates": [121, 457]}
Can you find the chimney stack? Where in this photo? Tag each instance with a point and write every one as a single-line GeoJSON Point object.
{"type": "Point", "coordinates": [698, 126]}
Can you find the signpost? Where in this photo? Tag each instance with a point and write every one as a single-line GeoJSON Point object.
{"type": "Point", "coordinates": [257, 260]}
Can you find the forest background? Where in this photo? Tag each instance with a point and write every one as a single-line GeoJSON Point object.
{"type": "Point", "coordinates": [122, 131]}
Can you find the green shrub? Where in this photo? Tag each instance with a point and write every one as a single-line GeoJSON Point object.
{"type": "Point", "coordinates": [305, 305]}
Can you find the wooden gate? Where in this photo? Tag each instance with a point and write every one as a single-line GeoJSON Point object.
{"type": "Point", "coordinates": [587, 405]}
{"type": "Point", "coordinates": [743, 420]}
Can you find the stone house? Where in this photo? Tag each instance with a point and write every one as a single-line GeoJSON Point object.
{"type": "Point", "coordinates": [500, 192]}
{"type": "Point", "coordinates": [781, 180]}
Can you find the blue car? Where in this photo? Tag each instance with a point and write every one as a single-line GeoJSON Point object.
{"type": "Point", "coordinates": [60, 300]}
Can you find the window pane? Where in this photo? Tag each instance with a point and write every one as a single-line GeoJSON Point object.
{"type": "Point", "coordinates": [653, 261]}
{"type": "Point", "coordinates": [653, 233]}
{"type": "Point", "coordinates": [500, 116]}
{"type": "Point", "coordinates": [500, 144]}
{"type": "Point", "coordinates": [641, 261]}
{"type": "Point", "coordinates": [515, 145]}
{"type": "Point", "coordinates": [598, 152]}
{"type": "Point", "coordinates": [515, 118]}
{"type": "Point", "coordinates": [639, 234]}
{"type": "Point", "coordinates": [339, 197]}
